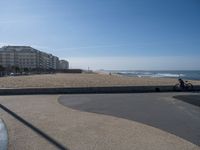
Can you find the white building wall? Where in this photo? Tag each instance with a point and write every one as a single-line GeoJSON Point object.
{"type": "Point", "coordinates": [28, 57]}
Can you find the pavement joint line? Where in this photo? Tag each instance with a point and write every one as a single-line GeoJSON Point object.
{"type": "Point", "coordinates": [3, 136]}
{"type": "Point", "coordinates": [35, 129]}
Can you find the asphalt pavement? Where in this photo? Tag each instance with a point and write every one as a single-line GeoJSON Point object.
{"type": "Point", "coordinates": [159, 110]}
{"type": "Point", "coordinates": [191, 99]}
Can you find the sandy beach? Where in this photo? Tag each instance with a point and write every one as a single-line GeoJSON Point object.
{"type": "Point", "coordinates": [81, 80]}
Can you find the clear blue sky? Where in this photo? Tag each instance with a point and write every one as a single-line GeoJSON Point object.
{"type": "Point", "coordinates": [107, 34]}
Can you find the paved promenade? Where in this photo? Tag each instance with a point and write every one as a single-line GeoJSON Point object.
{"type": "Point", "coordinates": [43, 123]}
{"type": "Point", "coordinates": [159, 110]}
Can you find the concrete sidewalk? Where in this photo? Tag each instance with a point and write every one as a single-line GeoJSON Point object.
{"type": "Point", "coordinates": [78, 130]}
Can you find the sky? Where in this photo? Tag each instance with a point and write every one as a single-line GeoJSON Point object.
{"type": "Point", "coordinates": [107, 34]}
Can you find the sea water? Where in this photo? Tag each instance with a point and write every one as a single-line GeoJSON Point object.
{"type": "Point", "coordinates": [190, 75]}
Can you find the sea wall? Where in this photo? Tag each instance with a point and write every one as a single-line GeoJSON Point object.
{"type": "Point", "coordinates": [88, 90]}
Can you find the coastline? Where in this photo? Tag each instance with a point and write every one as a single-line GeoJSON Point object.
{"type": "Point", "coordinates": [184, 74]}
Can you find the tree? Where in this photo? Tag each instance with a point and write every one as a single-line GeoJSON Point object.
{"type": "Point", "coordinates": [15, 69]}
{"type": "Point", "coordinates": [26, 70]}
{"type": "Point", "coordinates": [2, 68]}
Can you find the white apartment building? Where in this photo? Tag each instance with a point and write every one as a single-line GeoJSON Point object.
{"type": "Point", "coordinates": [27, 57]}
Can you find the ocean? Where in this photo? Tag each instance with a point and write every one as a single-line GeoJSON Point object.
{"type": "Point", "coordinates": [188, 75]}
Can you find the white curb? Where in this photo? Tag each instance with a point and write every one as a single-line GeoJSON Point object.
{"type": "Point", "coordinates": [3, 136]}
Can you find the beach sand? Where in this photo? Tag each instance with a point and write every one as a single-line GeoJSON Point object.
{"type": "Point", "coordinates": [82, 80]}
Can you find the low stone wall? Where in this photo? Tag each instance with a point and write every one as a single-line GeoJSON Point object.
{"type": "Point", "coordinates": [87, 90]}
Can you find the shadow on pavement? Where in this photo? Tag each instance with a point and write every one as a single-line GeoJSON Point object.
{"type": "Point", "coordinates": [191, 99]}
{"type": "Point", "coordinates": [37, 130]}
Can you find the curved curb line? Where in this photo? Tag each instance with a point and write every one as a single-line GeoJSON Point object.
{"type": "Point", "coordinates": [3, 136]}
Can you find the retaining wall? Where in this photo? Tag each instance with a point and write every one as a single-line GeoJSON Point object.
{"type": "Point", "coordinates": [87, 90]}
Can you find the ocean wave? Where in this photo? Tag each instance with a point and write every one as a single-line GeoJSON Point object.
{"type": "Point", "coordinates": [150, 74]}
{"type": "Point", "coordinates": [134, 73]}
{"type": "Point", "coordinates": [192, 75]}
{"type": "Point", "coordinates": [127, 72]}
{"type": "Point", "coordinates": [168, 75]}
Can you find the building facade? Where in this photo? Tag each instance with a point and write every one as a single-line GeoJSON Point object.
{"type": "Point", "coordinates": [27, 57]}
{"type": "Point", "coordinates": [63, 64]}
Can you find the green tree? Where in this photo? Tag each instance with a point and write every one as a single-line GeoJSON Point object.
{"type": "Point", "coordinates": [26, 70]}
{"type": "Point", "coordinates": [2, 68]}
{"type": "Point", "coordinates": [17, 69]}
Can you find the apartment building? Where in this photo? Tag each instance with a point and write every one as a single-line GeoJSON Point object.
{"type": "Point", "coordinates": [63, 64]}
{"type": "Point", "coordinates": [7, 58]}
{"type": "Point", "coordinates": [27, 57]}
